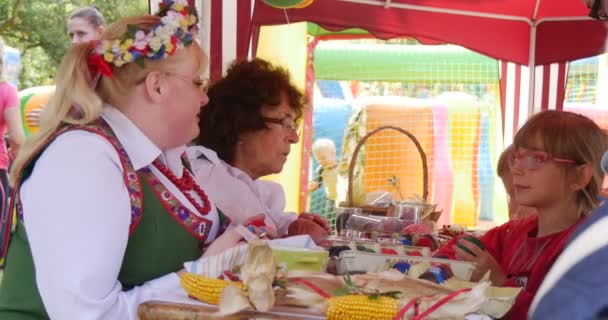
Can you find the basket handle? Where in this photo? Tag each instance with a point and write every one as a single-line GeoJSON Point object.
{"type": "Point", "coordinates": [351, 166]}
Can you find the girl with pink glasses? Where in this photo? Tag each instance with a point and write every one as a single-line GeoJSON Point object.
{"type": "Point", "coordinates": [555, 168]}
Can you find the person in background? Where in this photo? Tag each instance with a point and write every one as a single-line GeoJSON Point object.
{"type": "Point", "coordinates": [326, 175]}
{"type": "Point", "coordinates": [555, 169]}
{"type": "Point", "coordinates": [10, 121]}
{"type": "Point", "coordinates": [247, 130]}
{"type": "Point", "coordinates": [516, 211]}
{"type": "Point", "coordinates": [108, 212]}
{"type": "Point", "coordinates": [578, 277]}
{"type": "Point", "coordinates": [84, 24]}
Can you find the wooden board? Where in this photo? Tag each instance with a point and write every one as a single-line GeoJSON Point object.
{"type": "Point", "coordinates": [157, 310]}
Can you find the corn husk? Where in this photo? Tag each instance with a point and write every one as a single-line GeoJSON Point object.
{"type": "Point", "coordinates": [499, 299]}
{"type": "Point", "coordinates": [258, 273]}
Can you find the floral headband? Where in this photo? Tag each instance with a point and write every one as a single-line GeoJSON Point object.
{"type": "Point", "coordinates": [175, 30]}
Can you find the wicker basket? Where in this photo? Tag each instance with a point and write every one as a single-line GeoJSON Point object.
{"type": "Point", "coordinates": [425, 175]}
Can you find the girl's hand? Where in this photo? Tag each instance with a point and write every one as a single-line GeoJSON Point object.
{"type": "Point", "coordinates": [484, 262]}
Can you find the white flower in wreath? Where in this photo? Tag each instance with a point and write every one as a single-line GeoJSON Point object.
{"type": "Point", "coordinates": [116, 47]}
{"type": "Point", "coordinates": [141, 40]}
{"type": "Point", "coordinates": [119, 62]}
{"type": "Point", "coordinates": [155, 43]}
{"type": "Point", "coordinates": [191, 19]}
{"type": "Point", "coordinates": [164, 33]}
{"type": "Point", "coordinates": [171, 19]}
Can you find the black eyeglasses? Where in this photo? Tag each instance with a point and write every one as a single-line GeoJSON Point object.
{"type": "Point", "coordinates": [287, 123]}
{"type": "Point", "coordinates": [597, 11]}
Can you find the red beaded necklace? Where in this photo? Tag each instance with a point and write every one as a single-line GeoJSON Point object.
{"type": "Point", "coordinates": [186, 184]}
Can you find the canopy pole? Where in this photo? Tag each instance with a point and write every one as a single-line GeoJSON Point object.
{"type": "Point", "coordinates": [531, 70]}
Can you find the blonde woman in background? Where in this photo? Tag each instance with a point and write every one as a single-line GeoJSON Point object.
{"type": "Point", "coordinates": [84, 24]}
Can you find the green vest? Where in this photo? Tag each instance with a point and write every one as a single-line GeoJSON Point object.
{"type": "Point", "coordinates": [158, 246]}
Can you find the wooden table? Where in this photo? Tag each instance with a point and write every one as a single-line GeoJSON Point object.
{"type": "Point", "coordinates": [157, 310]}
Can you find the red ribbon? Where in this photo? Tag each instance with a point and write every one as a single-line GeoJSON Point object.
{"type": "Point", "coordinates": [312, 286]}
{"type": "Point", "coordinates": [97, 64]}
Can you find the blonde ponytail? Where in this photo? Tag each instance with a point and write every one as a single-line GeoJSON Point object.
{"type": "Point", "coordinates": [74, 102]}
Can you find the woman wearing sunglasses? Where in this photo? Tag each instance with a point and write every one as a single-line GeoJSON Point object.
{"type": "Point", "coordinates": [556, 169]}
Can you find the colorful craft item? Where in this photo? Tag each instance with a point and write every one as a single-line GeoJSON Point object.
{"type": "Point", "coordinates": [415, 253]}
{"type": "Point", "coordinates": [418, 228]}
{"type": "Point", "coordinates": [402, 266]}
{"type": "Point", "coordinates": [406, 241]}
{"type": "Point", "coordinates": [426, 240]}
{"type": "Point", "coordinates": [437, 274]}
{"type": "Point", "coordinates": [388, 251]}
{"type": "Point", "coordinates": [472, 240]}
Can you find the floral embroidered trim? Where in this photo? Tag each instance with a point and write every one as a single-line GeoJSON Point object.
{"type": "Point", "coordinates": [199, 227]}
{"type": "Point", "coordinates": [131, 179]}
{"type": "Point", "coordinates": [176, 29]}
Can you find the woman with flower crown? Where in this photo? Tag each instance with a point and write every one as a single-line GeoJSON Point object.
{"type": "Point", "coordinates": [107, 211]}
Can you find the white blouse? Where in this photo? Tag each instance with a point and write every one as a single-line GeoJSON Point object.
{"type": "Point", "coordinates": [77, 215]}
{"type": "Point", "coordinates": [236, 194]}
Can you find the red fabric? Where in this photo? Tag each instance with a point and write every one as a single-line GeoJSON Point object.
{"type": "Point", "coordinates": [506, 39]}
{"type": "Point", "coordinates": [243, 29]}
{"type": "Point", "coordinates": [523, 257]}
{"type": "Point", "coordinates": [544, 102]}
{"type": "Point", "coordinates": [215, 52]}
{"type": "Point", "coordinates": [561, 86]}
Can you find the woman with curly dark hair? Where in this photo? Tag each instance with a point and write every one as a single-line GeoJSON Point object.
{"type": "Point", "coordinates": [247, 130]}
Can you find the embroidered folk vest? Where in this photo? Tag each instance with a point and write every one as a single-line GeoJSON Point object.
{"type": "Point", "coordinates": [163, 235]}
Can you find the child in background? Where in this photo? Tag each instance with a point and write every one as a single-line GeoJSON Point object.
{"type": "Point", "coordinates": [555, 168]}
{"type": "Point", "coordinates": [326, 175]}
{"type": "Point", "coordinates": [516, 211]}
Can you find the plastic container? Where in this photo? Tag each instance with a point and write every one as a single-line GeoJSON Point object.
{"type": "Point", "coordinates": [294, 258]}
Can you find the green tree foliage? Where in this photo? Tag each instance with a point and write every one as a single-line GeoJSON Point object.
{"type": "Point", "coordinates": [37, 28]}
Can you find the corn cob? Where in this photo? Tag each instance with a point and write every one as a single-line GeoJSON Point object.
{"type": "Point", "coordinates": [205, 289]}
{"type": "Point", "coordinates": [362, 307]}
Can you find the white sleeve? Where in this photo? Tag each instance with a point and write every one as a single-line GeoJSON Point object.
{"type": "Point", "coordinates": [77, 216]}
{"type": "Point", "coordinates": [273, 197]}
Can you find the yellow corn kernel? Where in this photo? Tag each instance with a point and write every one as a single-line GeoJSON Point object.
{"type": "Point", "coordinates": [361, 307]}
{"type": "Point", "coordinates": [205, 289]}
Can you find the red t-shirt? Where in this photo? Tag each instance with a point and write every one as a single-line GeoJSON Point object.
{"type": "Point", "coordinates": [524, 258]}
{"type": "Point", "coordinates": [8, 99]}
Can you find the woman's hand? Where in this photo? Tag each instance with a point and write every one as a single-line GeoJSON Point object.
{"type": "Point", "coordinates": [227, 240]}
{"type": "Point", "coordinates": [311, 224]}
{"type": "Point", "coordinates": [317, 219]}
{"type": "Point", "coordinates": [251, 228]}
{"type": "Point", "coordinates": [258, 226]}
{"type": "Point", "coordinates": [484, 262]}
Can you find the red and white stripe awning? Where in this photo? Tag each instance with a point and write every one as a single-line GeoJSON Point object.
{"type": "Point", "coordinates": [547, 93]}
